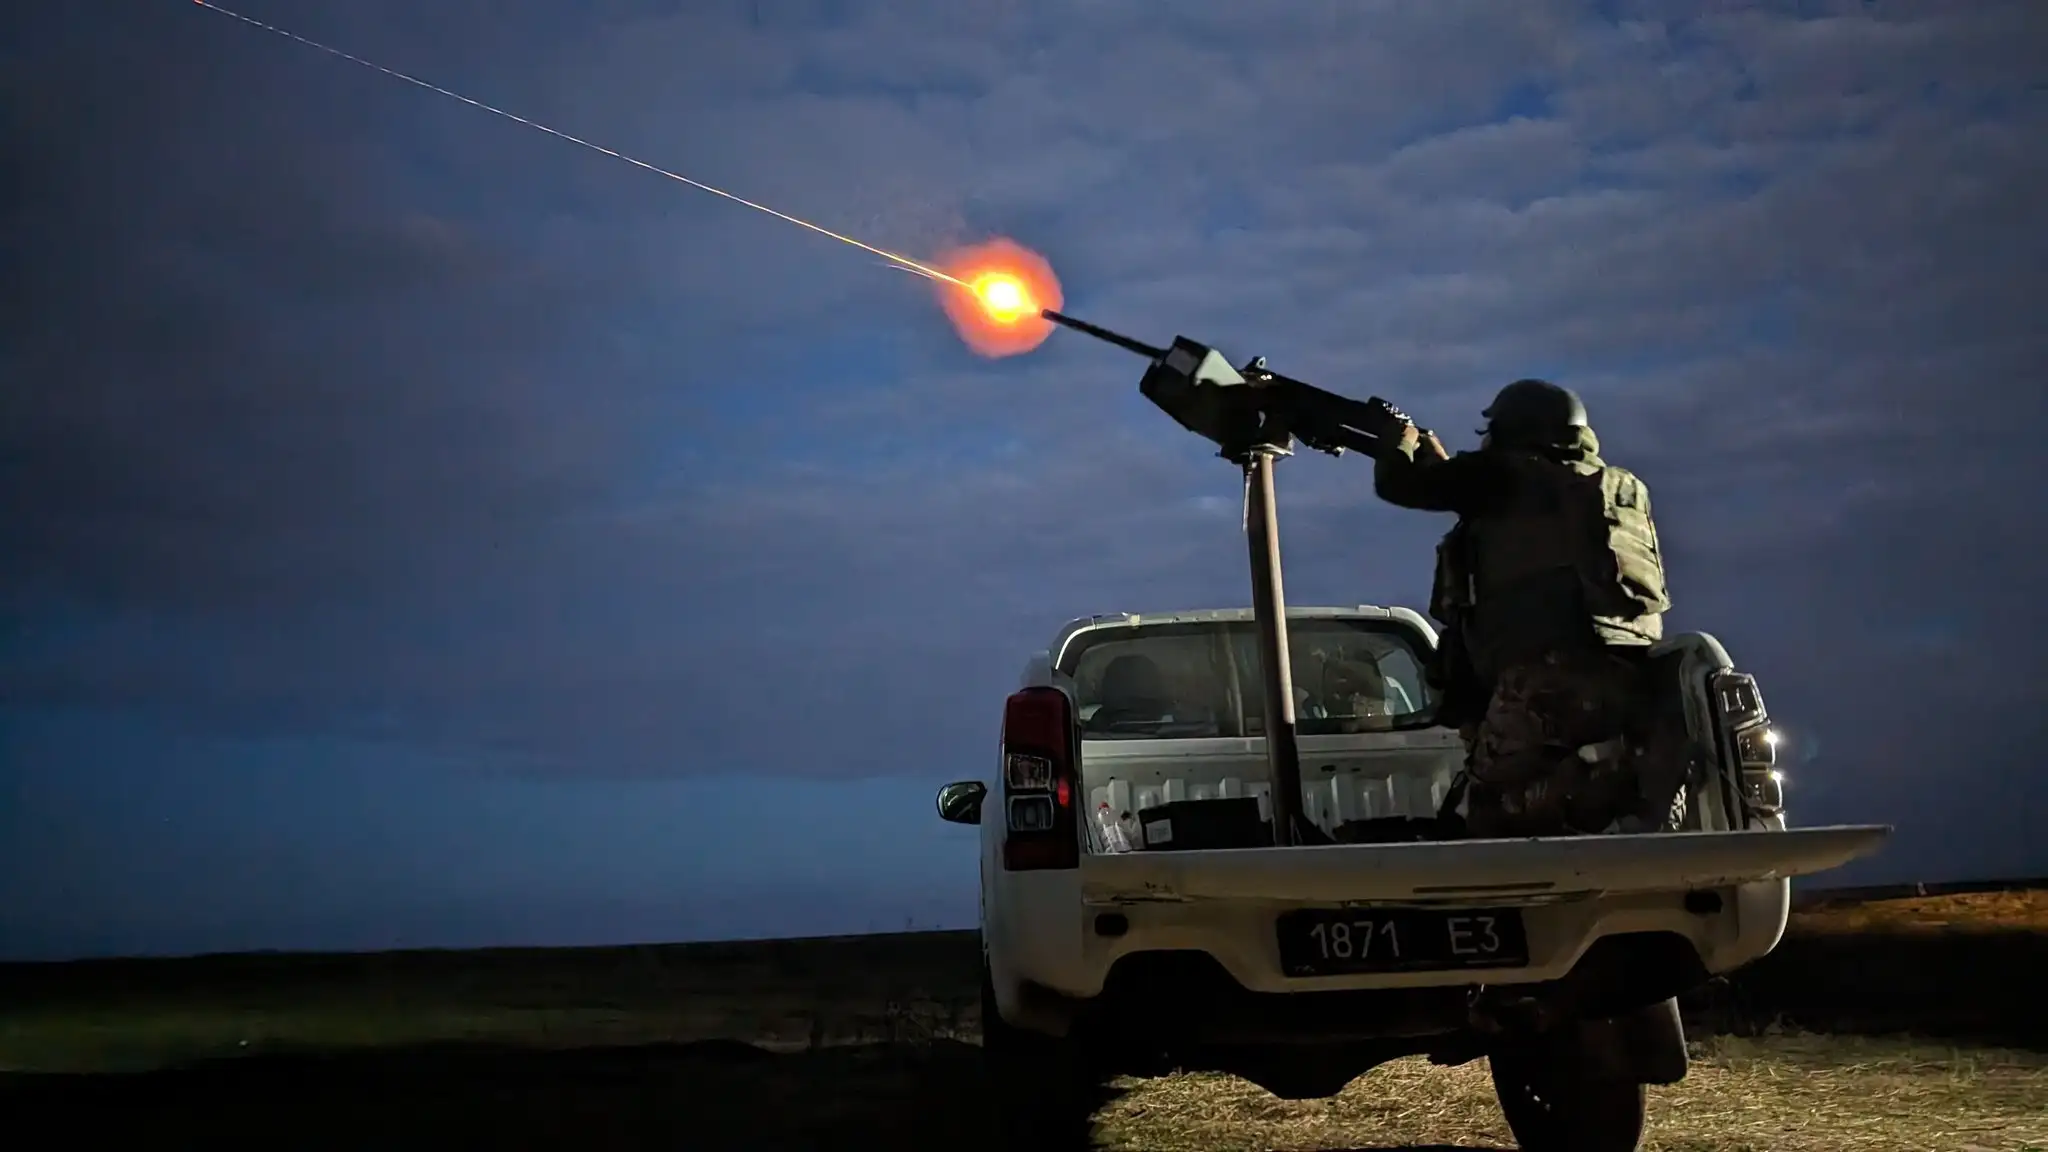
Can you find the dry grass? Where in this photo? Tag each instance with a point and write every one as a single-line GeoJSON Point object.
{"type": "Point", "coordinates": [1774, 1094]}
{"type": "Point", "coordinates": [1968, 912]}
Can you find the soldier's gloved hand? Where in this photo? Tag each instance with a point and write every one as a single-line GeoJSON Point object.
{"type": "Point", "coordinates": [1417, 444]}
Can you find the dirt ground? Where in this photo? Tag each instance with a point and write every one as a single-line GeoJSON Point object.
{"type": "Point", "coordinates": [1965, 966]}
{"type": "Point", "coordinates": [870, 1043]}
{"type": "Point", "coordinates": [1967, 913]}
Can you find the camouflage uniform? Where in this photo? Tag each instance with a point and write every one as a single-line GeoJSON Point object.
{"type": "Point", "coordinates": [1545, 628]}
{"type": "Point", "coordinates": [1528, 776]}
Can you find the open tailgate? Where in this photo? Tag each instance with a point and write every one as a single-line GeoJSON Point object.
{"type": "Point", "coordinates": [1457, 870]}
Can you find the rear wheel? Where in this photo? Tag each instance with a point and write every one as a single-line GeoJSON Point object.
{"type": "Point", "coordinates": [1553, 1112]}
{"type": "Point", "coordinates": [1042, 1088]}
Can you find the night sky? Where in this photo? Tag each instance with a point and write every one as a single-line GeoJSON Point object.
{"type": "Point", "coordinates": [415, 530]}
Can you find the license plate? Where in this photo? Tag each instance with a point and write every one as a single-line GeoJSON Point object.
{"type": "Point", "coordinates": [1332, 942]}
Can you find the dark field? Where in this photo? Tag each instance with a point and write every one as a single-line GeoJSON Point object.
{"type": "Point", "coordinates": [1917, 1023]}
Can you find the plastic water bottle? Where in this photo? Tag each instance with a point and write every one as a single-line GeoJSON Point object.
{"type": "Point", "coordinates": [1113, 837]}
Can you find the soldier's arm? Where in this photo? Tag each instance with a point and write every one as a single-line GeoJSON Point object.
{"type": "Point", "coordinates": [1418, 475]}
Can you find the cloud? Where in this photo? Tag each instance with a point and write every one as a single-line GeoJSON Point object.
{"type": "Point", "coordinates": [361, 413]}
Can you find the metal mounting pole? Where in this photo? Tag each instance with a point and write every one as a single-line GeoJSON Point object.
{"type": "Point", "coordinates": [1269, 608]}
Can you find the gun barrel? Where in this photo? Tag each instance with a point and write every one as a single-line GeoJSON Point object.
{"type": "Point", "coordinates": [1103, 334]}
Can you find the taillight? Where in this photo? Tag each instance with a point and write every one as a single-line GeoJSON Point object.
{"type": "Point", "coordinates": [1755, 743]}
{"type": "Point", "coordinates": [1737, 699]}
{"type": "Point", "coordinates": [1038, 782]}
{"type": "Point", "coordinates": [1763, 787]}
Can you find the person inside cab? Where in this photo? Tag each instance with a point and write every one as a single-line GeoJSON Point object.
{"type": "Point", "coordinates": [1351, 693]}
{"type": "Point", "coordinates": [1134, 697]}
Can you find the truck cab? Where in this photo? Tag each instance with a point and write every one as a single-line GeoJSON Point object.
{"type": "Point", "coordinates": [1136, 915]}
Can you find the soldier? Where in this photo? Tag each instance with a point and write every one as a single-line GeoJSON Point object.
{"type": "Point", "coordinates": [1551, 589]}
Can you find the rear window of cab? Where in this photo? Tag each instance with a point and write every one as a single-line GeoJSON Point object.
{"type": "Point", "coordinates": [1197, 680]}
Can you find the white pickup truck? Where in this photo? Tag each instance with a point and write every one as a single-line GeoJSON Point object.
{"type": "Point", "coordinates": [1137, 919]}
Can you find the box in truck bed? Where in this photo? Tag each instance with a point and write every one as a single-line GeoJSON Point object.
{"type": "Point", "coordinates": [1185, 825]}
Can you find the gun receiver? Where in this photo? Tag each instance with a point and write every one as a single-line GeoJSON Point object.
{"type": "Point", "coordinates": [1324, 420]}
{"type": "Point", "coordinates": [1253, 407]}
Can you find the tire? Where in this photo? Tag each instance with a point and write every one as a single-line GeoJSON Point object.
{"type": "Point", "coordinates": [1552, 1113]}
{"type": "Point", "coordinates": [1041, 1088]}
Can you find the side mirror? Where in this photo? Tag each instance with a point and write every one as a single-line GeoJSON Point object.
{"type": "Point", "coordinates": [960, 802]}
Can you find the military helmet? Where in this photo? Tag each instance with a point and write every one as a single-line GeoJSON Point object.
{"type": "Point", "coordinates": [1533, 412]}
